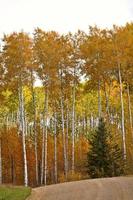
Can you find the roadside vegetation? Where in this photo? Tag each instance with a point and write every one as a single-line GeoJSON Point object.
{"type": "Point", "coordinates": [14, 193]}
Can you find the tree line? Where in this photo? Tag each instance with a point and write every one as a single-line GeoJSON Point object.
{"type": "Point", "coordinates": [45, 130]}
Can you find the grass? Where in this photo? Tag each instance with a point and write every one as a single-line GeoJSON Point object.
{"type": "Point", "coordinates": [14, 193]}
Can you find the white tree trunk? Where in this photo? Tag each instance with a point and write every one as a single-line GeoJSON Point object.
{"type": "Point", "coordinates": [35, 131]}
{"type": "Point", "coordinates": [42, 161]}
{"type": "Point", "coordinates": [46, 140]}
{"type": "Point", "coordinates": [99, 99]}
{"type": "Point", "coordinates": [67, 135]}
{"type": "Point", "coordinates": [107, 100]}
{"type": "Point", "coordinates": [63, 127]}
{"type": "Point", "coordinates": [122, 114]}
{"type": "Point", "coordinates": [22, 121]}
{"type": "Point", "coordinates": [130, 111]}
{"type": "Point", "coordinates": [63, 138]}
{"type": "Point", "coordinates": [55, 147]}
{"type": "Point", "coordinates": [73, 128]}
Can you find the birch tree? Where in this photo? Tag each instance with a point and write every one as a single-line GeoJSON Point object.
{"type": "Point", "coordinates": [35, 126]}
{"type": "Point", "coordinates": [17, 57]}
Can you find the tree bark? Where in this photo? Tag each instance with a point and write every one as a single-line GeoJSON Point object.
{"type": "Point", "coordinates": [35, 131]}
{"type": "Point", "coordinates": [44, 141]}
{"type": "Point", "coordinates": [63, 126]}
{"type": "Point", "coordinates": [67, 135]}
{"type": "Point", "coordinates": [73, 127]}
{"type": "Point", "coordinates": [42, 161]}
{"type": "Point", "coordinates": [107, 100]}
{"type": "Point", "coordinates": [130, 111]}
{"type": "Point", "coordinates": [22, 122]}
{"type": "Point", "coordinates": [63, 138]}
{"type": "Point", "coordinates": [122, 114]}
{"type": "Point", "coordinates": [99, 99]}
{"type": "Point", "coordinates": [55, 147]}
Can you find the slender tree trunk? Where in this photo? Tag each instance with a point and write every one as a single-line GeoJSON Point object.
{"type": "Point", "coordinates": [99, 99]}
{"type": "Point", "coordinates": [67, 135]}
{"type": "Point", "coordinates": [78, 126]}
{"type": "Point", "coordinates": [63, 137]}
{"type": "Point", "coordinates": [63, 126]}
{"type": "Point", "coordinates": [130, 111]}
{"type": "Point", "coordinates": [92, 121]}
{"type": "Point", "coordinates": [0, 161]}
{"type": "Point", "coordinates": [18, 118]}
{"type": "Point", "coordinates": [42, 161]}
{"type": "Point", "coordinates": [73, 127]}
{"type": "Point", "coordinates": [83, 125]}
{"type": "Point", "coordinates": [55, 147]}
{"type": "Point", "coordinates": [122, 114]}
{"type": "Point", "coordinates": [107, 100]}
{"type": "Point", "coordinates": [22, 118]}
{"type": "Point", "coordinates": [35, 131]}
{"type": "Point", "coordinates": [26, 126]}
{"type": "Point", "coordinates": [46, 139]}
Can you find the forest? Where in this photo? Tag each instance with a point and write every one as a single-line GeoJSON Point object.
{"type": "Point", "coordinates": [46, 129]}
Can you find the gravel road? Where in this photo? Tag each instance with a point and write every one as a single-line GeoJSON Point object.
{"type": "Point", "coordinates": [120, 188]}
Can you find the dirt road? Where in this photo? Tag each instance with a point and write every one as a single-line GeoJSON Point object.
{"type": "Point", "coordinates": [97, 189]}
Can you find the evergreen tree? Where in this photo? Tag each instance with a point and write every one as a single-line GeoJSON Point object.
{"type": "Point", "coordinates": [105, 155]}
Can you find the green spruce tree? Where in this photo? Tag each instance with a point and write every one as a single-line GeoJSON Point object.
{"type": "Point", "coordinates": [105, 155]}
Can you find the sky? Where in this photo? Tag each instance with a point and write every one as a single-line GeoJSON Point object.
{"type": "Point", "coordinates": [62, 15]}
